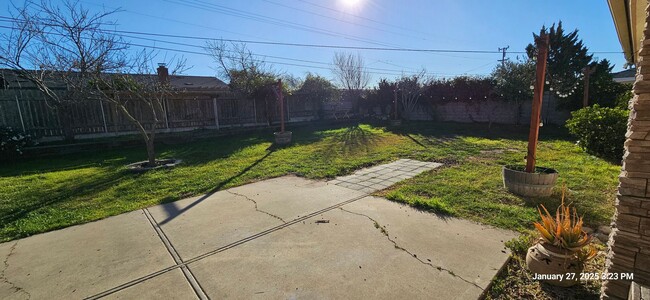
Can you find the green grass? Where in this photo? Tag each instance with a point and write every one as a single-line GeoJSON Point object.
{"type": "Point", "coordinates": [44, 194]}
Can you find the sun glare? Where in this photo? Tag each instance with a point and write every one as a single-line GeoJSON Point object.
{"type": "Point", "coordinates": [351, 3]}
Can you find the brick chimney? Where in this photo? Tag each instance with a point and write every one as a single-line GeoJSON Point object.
{"type": "Point", "coordinates": [163, 73]}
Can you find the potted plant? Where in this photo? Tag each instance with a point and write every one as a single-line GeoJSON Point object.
{"type": "Point", "coordinates": [559, 255]}
{"type": "Point", "coordinates": [538, 183]}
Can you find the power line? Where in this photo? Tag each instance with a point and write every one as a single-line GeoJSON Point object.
{"type": "Point", "coordinates": [396, 72]}
{"type": "Point", "coordinates": [174, 20]}
{"type": "Point", "coordinates": [342, 20]}
{"type": "Point", "coordinates": [379, 71]}
{"type": "Point", "coordinates": [359, 17]}
{"type": "Point", "coordinates": [202, 5]}
{"type": "Point", "coordinates": [297, 44]}
{"type": "Point", "coordinates": [317, 45]}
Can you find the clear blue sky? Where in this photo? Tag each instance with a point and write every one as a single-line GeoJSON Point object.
{"type": "Point", "coordinates": [440, 24]}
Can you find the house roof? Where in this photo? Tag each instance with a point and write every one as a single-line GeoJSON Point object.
{"type": "Point", "coordinates": [625, 76]}
{"type": "Point", "coordinates": [196, 82]}
{"type": "Point", "coordinates": [629, 20]}
{"type": "Point", "coordinates": [10, 79]}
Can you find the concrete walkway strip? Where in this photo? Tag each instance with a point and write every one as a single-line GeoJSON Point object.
{"type": "Point", "coordinates": [286, 237]}
{"type": "Point", "coordinates": [380, 177]}
{"type": "Point", "coordinates": [82, 260]}
{"type": "Point", "coordinates": [170, 248]}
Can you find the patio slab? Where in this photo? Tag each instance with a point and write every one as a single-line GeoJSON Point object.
{"type": "Point", "coordinates": [347, 258]}
{"type": "Point", "coordinates": [201, 224]}
{"type": "Point", "coordinates": [286, 237]}
{"type": "Point", "coordinates": [471, 251]}
{"type": "Point", "coordinates": [170, 285]}
{"type": "Point", "coordinates": [82, 260]}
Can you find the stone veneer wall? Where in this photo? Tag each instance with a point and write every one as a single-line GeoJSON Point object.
{"type": "Point", "coordinates": [629, 241]}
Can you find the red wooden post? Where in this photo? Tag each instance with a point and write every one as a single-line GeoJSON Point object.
{"type": "Point", "coordinates": [281, 98]}
{"type": "Point", "coordinates": [586, 71]}
{"type": "Point", "coordinates": [533, 135]}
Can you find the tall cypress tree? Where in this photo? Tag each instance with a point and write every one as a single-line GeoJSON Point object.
{"type": "Point", "coordinates": [567, 56]}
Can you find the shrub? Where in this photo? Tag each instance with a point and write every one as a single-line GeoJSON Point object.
{"type": "Point", "coordinates": [12, 143]}
{"type": "Point", "coordinates": [600, 130]}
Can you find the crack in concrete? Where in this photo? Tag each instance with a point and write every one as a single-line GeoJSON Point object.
{"type": "Point", "coordinates": [385, 233]}
{"type": "Point", "coordinates": [4, 276]}
{"type": "Point", "coordinates": [256, 208]}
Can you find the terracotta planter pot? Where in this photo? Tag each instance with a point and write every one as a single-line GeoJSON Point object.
{"type": "Point", "coordinates": [538, 184]}
{"type": "Point", "coordinates": [282, 138]}
{"type": "Point", "coordinates": [548, 261]}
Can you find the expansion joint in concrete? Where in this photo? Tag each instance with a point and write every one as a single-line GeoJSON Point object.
{"type": "Point", "coordinates": [191, 279]}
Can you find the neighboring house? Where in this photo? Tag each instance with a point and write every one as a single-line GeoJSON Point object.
{"type": "Point", "coordinates": [197, 102]}
{"type": "Point", "coordinates": [625, 76]}
{"type": "Point", "coordinates": [629, 242]}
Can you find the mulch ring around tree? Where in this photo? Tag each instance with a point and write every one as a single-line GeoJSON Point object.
{"type": "Point", "coordinates": [143, 166]}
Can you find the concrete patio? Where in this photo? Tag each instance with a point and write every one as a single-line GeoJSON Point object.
{"type": "Point", "coordinates": [286, 237]}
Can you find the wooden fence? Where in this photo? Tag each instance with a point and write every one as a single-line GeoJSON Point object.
{"type": "Point", "coordinates": [28, 111]}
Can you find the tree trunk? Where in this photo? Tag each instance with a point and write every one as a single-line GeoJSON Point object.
{"type": "Point", "coordinates": [151, 153]}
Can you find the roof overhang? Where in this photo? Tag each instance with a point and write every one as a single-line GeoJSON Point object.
{"type": "Point", "coordinates": [629, 20]}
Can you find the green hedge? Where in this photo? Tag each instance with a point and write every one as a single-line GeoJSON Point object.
{"type": "Point", "coordinates": [600, 130]}
{"type": "Point", "coordinates": [12, 143]}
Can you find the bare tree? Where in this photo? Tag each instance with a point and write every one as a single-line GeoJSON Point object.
{"type": "Point", "coordinates": [410, 89]}
{"type": "Point", "coordinates": [135, 89]}
{"type": "Point", "coordinates": [66, 45]}
{"type": "Point", "coordinates": [54, 46]}
{"type": "Point", "coordinates": [350, 72]}
{"type": "Point", "coordinates": [246, 75]}
{"type": "Point", "coordinates": [237, 65]}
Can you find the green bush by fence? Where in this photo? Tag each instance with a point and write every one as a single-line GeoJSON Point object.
{"type": "Point", "coordinates": [600, 130]}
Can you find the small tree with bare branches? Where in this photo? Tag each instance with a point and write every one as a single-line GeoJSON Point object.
{"type": "Point", "coordinates": [350, 72]}
{"type": "Point", "coordinates": [410, 89]}
{"type": "Point", "coordinates": [246, 75]}
{"type": "Point", "coordinates": [66, 44]}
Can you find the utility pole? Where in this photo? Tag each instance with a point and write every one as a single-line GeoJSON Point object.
{"type": "Point", "coordinates": [503, 57]}
{"type": "Point", "coordinates": [586, 72]}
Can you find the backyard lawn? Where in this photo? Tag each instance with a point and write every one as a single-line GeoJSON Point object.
{"type": "Point", "coordinates": [44, 194]}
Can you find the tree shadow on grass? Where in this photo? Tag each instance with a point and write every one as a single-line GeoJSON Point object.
{"type": "Point", "coordinates": [46, 198]}
{"type": "Point", "coordinates": [100, 159]}
{"type": "Point", "coordinates": [354, 139]}
{"type": "Point", "coordinates": [496, 131]}
{"type": "Point", "coordinates": [202, 152]}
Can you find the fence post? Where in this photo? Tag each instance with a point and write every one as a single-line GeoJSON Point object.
{"type": "Point", "coordinates": [20, 114]}
{"type": "Point", "coordinates": [255, 110]}
{"type": "Point", "coordinates": [216, 112]}
{"type": "Point", "coordinates": [288, 116]}
{"type": "Point", "coordinates": [165, 110]}
{"type": "Point", "coordinates": [101, 105]}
